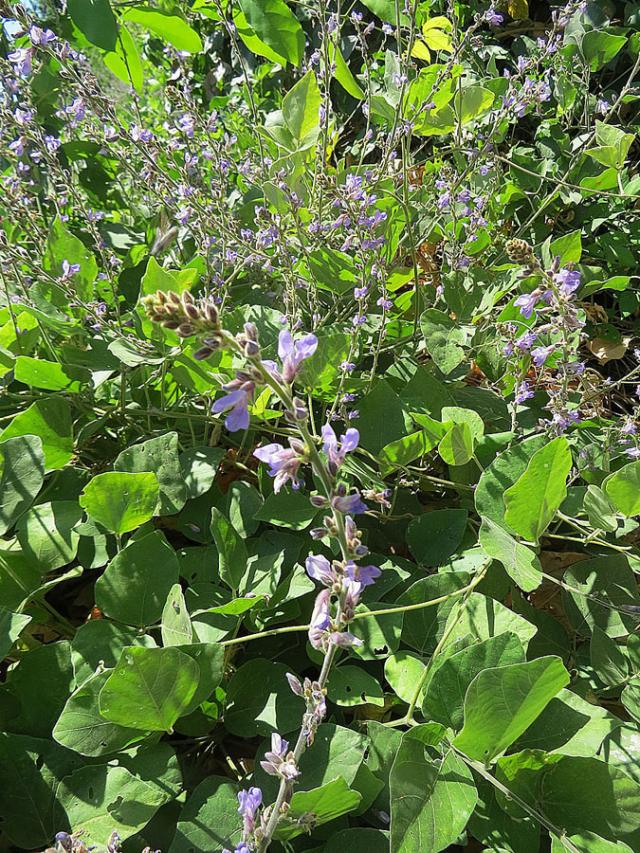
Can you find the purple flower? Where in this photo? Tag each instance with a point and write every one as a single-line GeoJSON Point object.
{"type": "Point", "coordinates": [284, 462]}
{"type": "Point", "coordinates": [69, 270]}
{"type": "Point", "coordinates": [321, 570]}
{"type": "Point", "coordinates": [347, 366]}
{"type": "Point", "coordinates": [541, 354]}
{"type": "Point", "coordinates": [602, 106]}
{"type": "Point", "coordinates": [237, 404]}
{"type": "Point", "coordinates": [568, 281]}
{"type": "Point", "coordinates": [279, 761]}
{"type": "Point", "coordinates": [523, 392]}
{"type": "Point", "coordinates": [364, 575]}
{"type": "Point", "coordinates": [293, 353]}
{"type": "Point", "coordinates": [527, 302]}
{"type": "Point", "coordinates": [249, 803]}
{"type": "Point", "coordinates": [526, 341]}
{"type": "Point", "coordinates": [320, 620]}
{"type": "Point", "coordinates": [21, 60]}
{"type": "Point", "coordinates": [40, 37]}
{"type": "Point", "coordinates": [493, 18]}
{"type": "Point", "coordinates": [349, 504]}
{"type": "Point", "coordinates": [335, 449]}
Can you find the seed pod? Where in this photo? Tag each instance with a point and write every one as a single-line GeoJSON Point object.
{"type": "Point", "coordinates": [519, 250]}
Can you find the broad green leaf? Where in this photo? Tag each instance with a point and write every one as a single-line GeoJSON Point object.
{"type": "Point", "coordinates": [503, 472]}
{"type": "Point", "coordinates": [119, 501]}
{"type": "Point", "coordinates": [11, 626]}
{"type": "Point", "coordinates": [435, 536]}
{"type": "Point", "coordinates": [483, 617]}
{"type": "Point", "coordinates": [599, 48]}
{"type": "Point", "coordinates": [21, 477]}
{"type": "Point", "coordinates": [343, 73]}
{"type": "Point", "coordinates": [589, 841]}
{"type": "Point", "coordinates": [521, 563]}
{"type": "Point", "coordinates": [382, 418]}
{"type": "Point", "coordinates": [62, 245]}
{"type": "Point", "coordinates": [159, 456]}
{"type": "Point", "coordinates": [170, 28]}
{"type": "Point", "coordinates": [607, 659]}
{"type": "Point", "coordinates": [609, 580]}
{"type": "Point", "coordinates": [260, 701]}
{"type": "Point", "coordinates": [533, 500]}
{"type": "Point", "coordinates": [81, 728]}
{"type": "Point", "coordinates": [301, 107]}
{"type": "Point", "coordinates": [96, 22]}
{"type": "Point", "coordinates": [351, 685]}
{"type": "Point", "coordinates": [325, 803]}
{"type": "Point", "coordinates": [50, 375]}
{"type": "Point", "coordinates": [474, 101]}
{"type": "Point", "coordinates": [456, 447]}
{"type": "Point", "coordinates": [50, 420]}
{"type": "Point", "coordinates": [585, 794]}
{"type": "Point", "coordinates": [253, 41]}
{"type": "Point", "coordinates": [600, 510]}
{"type": "Point", "coordinates": [211, 661]}
{"type": "Point", "coordinates": [98, 643]}
{"type": "Point", "coordinates": [630, 698]}
{"type": "Point", "coordinates": [20, 577]}
{"type": "Point", "coordinates": [568, 248]}
{"type": "Point", "coordinates": [149, 688]}
{"type": "Point", "coordinates": [431, 800]}
{"type": "Point", "coordinates": [444, 339]}
{"type": "Point", "coordinates": [125, 61]}
{"type": "Point", "coordinates": [623, 489]}
{"type": "Point", "coordinates": [199, 466]}
{"type": "Point", "coordinates": [276, 25]}
{"type": "Point", "coordinates": [386, 10]}
{"type": "Point", "coordinates": [403, 671]}
{"type": "Point", "coordinates": [176, 622]}
{"type": "Point", "coordinates": [502, 702]}
{"type": "Point", "coordinates": [231, 549]}
{"type": "Point", "coordinates": [358, 840]}
{"type": "Point", "coordinates": [287, 509]}
{"type": "Point", "coordinates": [399, 453]}
{"type": "Point", "coordinates": [136, 583]}
{"type": "Point", "coordinates": [209, 818]}
{"type": "Point", "coordinates": [47, 536]}
{"type": "Point", "coordinates": [446, 688]}
{"type": "Point", "coordinates": [380, 635]}
{"type": "Point", "coordinates": [423, 628]}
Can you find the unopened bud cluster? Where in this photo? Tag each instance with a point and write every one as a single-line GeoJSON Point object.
{"type": "Point", "coordinates": [182, 313]}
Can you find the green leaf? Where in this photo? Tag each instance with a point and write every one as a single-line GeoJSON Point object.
{"type": "Point", "coordinates": [136, 583]}
{"type": "Point", "coordinates": [588, 841]}
{"type": "Point", "coordinates": [474, 101]}
{"type": "Point", "coordinates": [423, 628]}
{"type": "Point", "coordinates": [199, 466]}
{"type": "Point", "coordinates": [149, 688]}
{"type": "Point", "coordinates": [609, 580]}
{"type": "Point", "coordinates": [96, 22]}
{"type": "Point", "coordinates": [120, 502]}
{"type": "Point", "coordinates": [276, 25]}
{"type": "Point", "coordinates": [358, 840]}
{"type": "Point", "coordinates": [435, 536]}
{"type": "Point", "coordinates": [630, 698]}
{"type": "Point", "coordinates": [176, 622]}
{"type": "Point", "coordinates": [158, 456]}
{"type": "Point", "coordinates": [403, 671]}
{"type": "Point", "coordinates": [21, 477]}
{"type": "Point", "coordinates": [62, 245]}
{"type": "Point", "coordinates": [231, 549]}
{"type": "Point", "coordinates": [301, 107]}
{"type": "Point", "coordinates": [260, 701]}
{"type": "Point", "coordinates": [533, 500]}
{"type": "Point", "coordinates": [20, 577]}
{"type": "Point", "coordinates": [385, 10]}
{"type": "Point", "coordinates": [444, 339]}
{"type": "Point", "coordinates": [11, 626]}
{"type": "Point", "coordinates": [169, 28]}
{"type": "Point", "coordinates": [623, 489]}
{"type": "Point", "coordinates": [521, 563]}
{"type": "Point", "coordinates": [456, 448]}
{"type": "Point", "coordinates": [607, 659]}
{"type": "Point", "coordinates": [350, 686]}
{"type": "Point", "coordinates": [253, 42]}
{"type": "Point", "coordinates": [600, 510]}
{"type": "Point", "coordinates": [211, 662]}
{"type": "Point", "coordinates": [502, 702]}
{"type": "Point", "coordinates": [287, 509]}
{"type": "Point", "coordinates": [50, 375]}
{"type": "Point", "coordinates": [343, 73]}
{"type": "Point", "coordinates": [568, 248]}
{"type": "Point", "coordinates": [325, 804]}
{"type": "Point", "coordinates": [446, 688]}
{"type": "Point", "coordinates": [81, 728]}
{"type": "Point", "coordinates": [98, 643]}
{"type": "Point", "coordinates": [431, 800]}
{"type": "Point", "coordinates": [124, 61]}
{"type": "Point", "coordinates": [209, 818]}
{"type": "Point", "coordinates": [50, 420]}
{"type": "Point", "coordinates": [382, 419]}
{"type": "Point", "coordinates": [47, 536]}
{"type": "Point", "coordinates": [599, 47]}
{"type": "Point", "coordinates": [399, 453]}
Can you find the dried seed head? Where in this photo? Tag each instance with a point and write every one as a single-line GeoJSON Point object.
{"type": "Point", "coordinates": [519, 251]}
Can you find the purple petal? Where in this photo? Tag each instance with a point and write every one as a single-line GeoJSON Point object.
{"type": "Point", "coordinates": [285, 344]}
